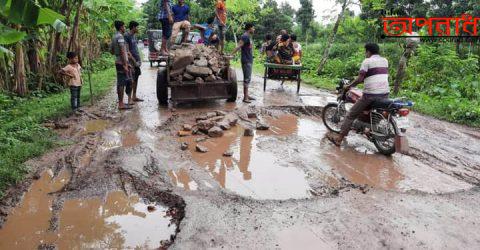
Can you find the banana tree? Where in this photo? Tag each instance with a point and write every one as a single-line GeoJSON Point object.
{"type": "Point", "coordinates": [19, 14]}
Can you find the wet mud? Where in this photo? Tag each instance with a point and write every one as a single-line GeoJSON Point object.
{"type": "Point", "coordinates": [123, 181]}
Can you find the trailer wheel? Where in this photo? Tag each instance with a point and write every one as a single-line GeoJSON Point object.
{"type": "Point", "coordinates": [232, 87]}
{"type": "Point", "coordinates": [162, 86]}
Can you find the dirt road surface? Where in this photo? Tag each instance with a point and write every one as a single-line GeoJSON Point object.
{"type": "Point", "coordinates": [122, 181]}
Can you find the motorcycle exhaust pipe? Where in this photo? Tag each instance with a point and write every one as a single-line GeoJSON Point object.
{"type": "Point", "coordinates": [401, 144]}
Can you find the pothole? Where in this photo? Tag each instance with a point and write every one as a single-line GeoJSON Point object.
{"type": "Point", "coordinates": [293, 160]}
{"type": "Point", "coordinates": [113, 221]}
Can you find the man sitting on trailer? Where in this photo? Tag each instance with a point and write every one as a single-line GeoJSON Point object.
{"type": "Point", "coordinates": [284, 50]}
{"type": "Point", "coordinates": [181, 16]}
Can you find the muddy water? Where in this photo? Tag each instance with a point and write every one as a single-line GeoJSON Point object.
{"type": "Point", "coordinates": [94, 126]}
{"type": "Point", "coordinates": [251, 171]}
{"type": "Point", "coordinates": [305, 238]}
{"type": "Point", "coordinates": [182, 179]}
{"type": "Point", "coordinates": [116, 222]}
{"type": "Point", "coordinates": [27, 225]}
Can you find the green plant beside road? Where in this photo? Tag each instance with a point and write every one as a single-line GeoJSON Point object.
{"type": "Point", "coordinates": [22, 135]}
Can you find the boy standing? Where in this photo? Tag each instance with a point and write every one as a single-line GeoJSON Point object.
{"type": "Point", "coordinates": [221, 22]}
{"type": "Point", "coordinates": [73, 72]}
{"type": "Point", "coordinates": [246, 45]}
{"type": "Point", "coordinates": [166, 18]}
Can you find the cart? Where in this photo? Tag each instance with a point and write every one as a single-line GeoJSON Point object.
{"type": "Point", "coordinates": [154, 43]}
{"type": "Point", "coordinates": [189, 91]}
{"type": "Point", "coordinates": [282, 72]}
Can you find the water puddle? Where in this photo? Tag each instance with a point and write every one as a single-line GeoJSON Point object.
{"type": "Point", "coordinates": [251, 171]}
{"type": "Point", "coordinates": [373, 170]}
{"type": "Point", "coordinates": [130, 139]}
{"type": "Point", "coordinates": [95, 126]}
{"type": "Point", "coordinates": [116, 222]}
{"type": "Point", "coordinates": [182, 179]}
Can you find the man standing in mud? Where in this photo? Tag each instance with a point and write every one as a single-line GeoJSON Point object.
{"type": "Point", "coordinates": [124, 80]}
{"type": "Point", "coordinates": [374, 74]}
{"type": "Point", "coordinates": [134, 56]}
{"type": "Point", "coordinates": [246, 46]}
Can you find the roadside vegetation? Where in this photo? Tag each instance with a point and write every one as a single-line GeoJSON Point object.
{"type": "Point", "coordinates": [34, 39]}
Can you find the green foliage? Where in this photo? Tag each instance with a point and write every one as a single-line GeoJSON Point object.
{"type": "Point", "coordinates": [21, 134]}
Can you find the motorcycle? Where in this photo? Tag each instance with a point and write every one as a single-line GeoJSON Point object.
{"type": "Point", "coordinates": [384, 123]}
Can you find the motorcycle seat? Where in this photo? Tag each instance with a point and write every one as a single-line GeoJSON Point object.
{"type": "Point", "coordinates": [385, 104]}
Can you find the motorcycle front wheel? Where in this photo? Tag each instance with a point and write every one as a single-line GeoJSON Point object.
{"type": "Point", "coordinates": [333, 117]}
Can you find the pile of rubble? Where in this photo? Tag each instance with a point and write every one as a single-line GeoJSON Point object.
{"type": "Point", "coordinates": [197, 62]}
{"type": "Point", "coordinates": [214, 124]}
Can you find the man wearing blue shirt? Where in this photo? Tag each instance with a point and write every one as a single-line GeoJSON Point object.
{"type": "Point", "coordinates": [181, 12]}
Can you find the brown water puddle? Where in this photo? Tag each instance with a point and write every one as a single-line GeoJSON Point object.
{"type": "Point", "coordinates": [182, 179]}
{"type": "Point", "coordinates": [251, 171]}
{"type": "Point", "coordinates": [95, 126]}
{"type": "Point", "coordinates": [118, 222]}
{"type": "Point", "coordinates": [130, 139]}
{"type": "Point", "coordinates": [372, 170]}
{"type": "Point", "coordinates": [26, 226]}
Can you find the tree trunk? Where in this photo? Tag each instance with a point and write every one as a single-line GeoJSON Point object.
{"type": "Point", "coordinates": [20, 81]}
{"type": "Point", "coordinates": [331, 39]}
{"type": "Point", "coordinates": [402, 66]}
{"type": "Point", "coordinates": [74, 43]}
{"type": "Point", "coordinates": [34, 62]}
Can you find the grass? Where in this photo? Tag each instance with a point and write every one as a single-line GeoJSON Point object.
{"type": "Point", "coordinates": [22, 135]}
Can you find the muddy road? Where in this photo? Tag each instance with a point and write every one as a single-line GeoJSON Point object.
{"type": "Point", "coordinates": [123, 181]}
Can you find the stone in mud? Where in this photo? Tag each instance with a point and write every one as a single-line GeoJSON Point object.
{"type": "Point", "coordinates": [228, 153]}
{"type": "Point", "coordinates": [213, 62]}
{"type": "Point", "coordinates": [199, 80]}
{"type": "Point", "coordinates": [210, 78]}
{"type": "Point", "coordinates": [211, 114]}
{"type": "Point", "coordinates": [262, 126]}
{"type": "Point", "coordinates": [184, 146]}
{"type": "Point", "coordinates": [198, 71]}
{"type": "Point", "coordinates": [220, 113]}
{"type": "Point", "coordinates": [216, 118]}
{"type": "Point", "coordinates": [199, 118]}
{"type": "Point", "coordinates": [61, 125]}
{"type": "Point", "coordinates": [215, 132]}
{"type": "Point", "coordinates": [177, 72]}
{"type": "Point", "coordinates": [181, 61]}
{"type": "Point", "coordinates": [201, 149]}
{"type": "Point", "coordinates": [205, 125]}
{"type": "Point", "coordinates": [232, 121]}
{"type": "Point", "coordinates": [187, 127]}
{"type": "Point", "coordinates": [248, 132]}
{"type": "Point", "coordinates": [202, 62]}
{"type": "Point", "coordinates": [201, 139]}
{"type": "Point", "coordinates": [252, 115]}
{"type": "Point", "coordinates": [188, 77]}
{"type": "Point", "coordinates": [151, 208]}
{"type": "Point", "coordinates": [195, 131]}
{"type": "Point", "coordinates": [224, 125]}
{"type": "Point", "coordinates": [182, 133]}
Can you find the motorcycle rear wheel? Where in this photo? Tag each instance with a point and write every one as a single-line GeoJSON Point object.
{"type": "Point", "coordinates": [386, 144]}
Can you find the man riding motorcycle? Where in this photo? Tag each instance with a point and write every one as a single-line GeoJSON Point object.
{"type": "Point", "coordinates": [374, 74]}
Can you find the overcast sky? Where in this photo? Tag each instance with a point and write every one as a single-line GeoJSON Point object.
{"type": "Point", "coordinates": [325, 10]}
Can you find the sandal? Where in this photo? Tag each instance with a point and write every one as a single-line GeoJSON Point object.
{"type": "Point", "coordinates": [247, 101]}
{"type": "Point", "coordinates": [333, 138]}
{"type": "Point", "coordinates": [138, 100]}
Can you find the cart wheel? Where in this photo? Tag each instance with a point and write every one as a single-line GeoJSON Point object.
{"type": "Point", "coordinates": [232, 88]}
{"type": "Point", "coordinates": [162, 86]}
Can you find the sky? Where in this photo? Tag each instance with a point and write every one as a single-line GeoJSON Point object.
{"type": "Point", "coordinates": [325, 10]}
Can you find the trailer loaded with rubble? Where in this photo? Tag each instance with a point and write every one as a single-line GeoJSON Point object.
{"type": "Point", "coordinates": [195, 72]}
